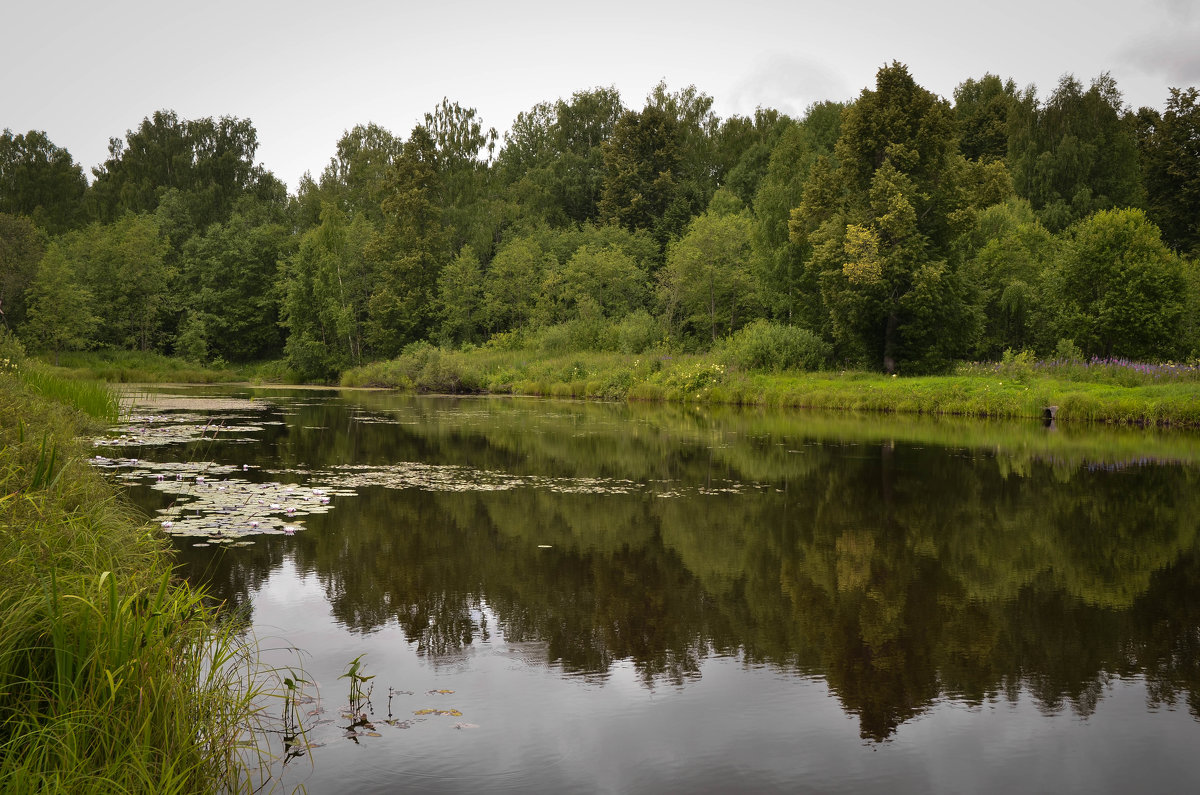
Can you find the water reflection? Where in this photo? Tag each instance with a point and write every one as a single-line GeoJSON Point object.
{"type": "Point", "coordinates": [902, 562]}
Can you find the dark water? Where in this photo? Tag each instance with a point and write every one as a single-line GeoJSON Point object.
{"type": "Point", "coordinates": [649, 598]}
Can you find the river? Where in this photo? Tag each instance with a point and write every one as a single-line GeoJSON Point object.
{"type": "Point", "coordinates": [555, 595]}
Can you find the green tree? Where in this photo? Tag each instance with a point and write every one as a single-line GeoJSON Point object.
{"type": "Point", "coordinates": [210, 161]}
{"type": "Point", "coordinates": [1076, 153]}
{"type": "Point", "coordinates": [1171, 163]}
{"type": "Point", "coordinates": [354, 178]}
{"type": "Point", "coordinates": [513, 283]}
{"type": "Point", "coordinates": [124, 266]}
{"type": "Point", "coordinates": [231, 282]}
{"type": "Point", "coordinates": [1009, 253]}
{"type": "Point", "coordinates": [21, 249]}
{"type": "Point", "coordinates": [788, 289]}
{"type": "Point", "coordinates": [706, 284]}
{"type": "Point", "coordinates": [552, 164]}
{"type": "Point", "coordinates": [607, 277]}
{"type": "Point", "coordinates": [983, 107]}
{"type": "Point", "coordinates": [1119, 290]}
{"type": "Point", "coordinates": [40, 180]}
{"type": "Point", "coordinates": [59, 315]}
{"type": "Point", "coordinates": [882, 225]}
{"type": "Point", "coordinates": [327, 288]}
{"type": "Point", "coordinates": [641, 161]}
{"type": "Point", "coordinates": [409, 251]}
{"type": "Point", "coordinates": [742, 149]}
{"type": "Point", "coordinates": [463, 155]}
{"type": "Point", "coordinates": [460, 298]}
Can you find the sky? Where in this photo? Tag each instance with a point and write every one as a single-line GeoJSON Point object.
{"type": "Point", "coordinates": [305, 72]}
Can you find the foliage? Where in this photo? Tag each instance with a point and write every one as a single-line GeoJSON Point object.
{"type": "Point", "coordinates": [124, 267]}
{"type": "Point", "coordinates": [882, 224]}
{"type": "Point", "coordinates": [41, 181]}
{"type": "Point", "coordinates": [210, 162]}
{"type": "Point", "coordinates": [1171, 165]}
{"type": "Point", "coordinates": [460, 295]}
{"type": "Point", "coordinates": [640, 161]}
{"type": "Point", "coordinates": [773, 347]}
{"type": "Point", "coordinates": [904, 231]}
{"type": "Point", "coordinates": [706, 285]}
{"type": "Point", "coordinates": [409, 251]}
{"type": "Point", "coordinates": [328, 283]}
{"type": "Point", "coordinates": [638, 332]}
{"type": "Point", "coordinates": [983, 107]}
{"type": "Point", "coordinates": [60, 310]}
{"type": "Point", "coordinates": [787, 288]}
{"type": "Point", "coordinates": [232, 274]}
{"type": "Point", "coordinates": [1119, 290]}
{"type": "Point", "coordinates": [1009, 254]}
{"type": "Point", "coordinates": [1075, 153]}
{"type": "Point", "coordinates": [21, 248]}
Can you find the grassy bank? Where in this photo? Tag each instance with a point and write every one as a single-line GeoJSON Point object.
{"type": "Point", "coordinates": [1113, 393]}
{"type": "Point", "coordinates": [139, 367]}
{"type": "Point", "coordinates": [114, 677]}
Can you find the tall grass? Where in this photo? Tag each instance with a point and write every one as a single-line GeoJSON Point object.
{"type": "Point", "coordinates": [96, 399]}
{"type": "Point", "coordinates": [144, 367]}
{"type": "Point", "coordinates": [114, 677]}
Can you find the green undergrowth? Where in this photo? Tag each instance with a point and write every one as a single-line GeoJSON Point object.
{"type": "Point", "coordinates": [142, 367]}
{"type": "Point", "coordinates": [1007, 392]}
{"type": "Point", "coordinates": [114, 676]}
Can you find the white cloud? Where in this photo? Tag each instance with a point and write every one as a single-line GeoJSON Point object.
{"type": "Point", "coordinates": [787, 82]}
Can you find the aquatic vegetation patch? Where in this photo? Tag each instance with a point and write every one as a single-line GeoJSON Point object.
{"type": "Point", "coordinates": [443, 477]}
{"type": "Point", "coordinates": [211, 502]}
{"type": "Point", "coordinates": [153, 430]}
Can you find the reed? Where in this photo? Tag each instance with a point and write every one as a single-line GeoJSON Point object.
{"type": "Point", "coordinates": [96, 399]}
{"type": "Point", "coordinates": [114, 676]}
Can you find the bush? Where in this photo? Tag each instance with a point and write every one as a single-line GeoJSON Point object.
{"type": "Point", "coordinates": [763, 345]}
{"type": "Point", "coordinates": [1068, 351]}
{"type": "Point", "coordinates": [1018, 365]}
{"type": "Point", "coordinates": [638, 332]}
{"type": "Point", "coordinates": [12, 352]}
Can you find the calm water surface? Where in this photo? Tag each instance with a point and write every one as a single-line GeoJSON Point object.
{"type": "Point", "coordinates": [661, 598]}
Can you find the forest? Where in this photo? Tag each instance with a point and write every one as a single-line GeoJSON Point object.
{"type": "Point", "coordinates": [900, 232]}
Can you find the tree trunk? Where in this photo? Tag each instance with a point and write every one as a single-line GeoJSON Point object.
{"type": "Point", "coordinates": [889, 343]}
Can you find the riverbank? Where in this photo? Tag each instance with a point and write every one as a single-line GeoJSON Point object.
{"type": "Point", "coordinates": [1122, 393]}
{"type": "Point", "coordinates": [114, 676]}
{"type": "Point", "coordinates": [141, 367]}
{"type": "Point", "coordinates": [1109, 392]}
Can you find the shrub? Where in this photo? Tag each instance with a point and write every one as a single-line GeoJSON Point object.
{"type": "Point", "coordinates": [763, 345]}
{"type": "Point", "coordinates": [1018, 365]}
{"type": "Point", "coordinates": [638, 332]}
{"type": "Point", "coordinates": [12, 352]}
{"type": "Point", "coordinates": [1068, 351]}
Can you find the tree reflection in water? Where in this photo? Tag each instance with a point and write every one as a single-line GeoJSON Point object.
{"type": "Point", "coordinates": [900, 565]}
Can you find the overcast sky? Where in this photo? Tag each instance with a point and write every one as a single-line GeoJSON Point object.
{"type": "Point", "coordinates": [306, 71]}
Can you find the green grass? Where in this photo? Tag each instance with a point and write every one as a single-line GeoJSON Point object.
{"type": "Point", "coordinates": [143, 367]}
{"type": "Point", "coordinates": [114, 676]}
{"type": "Point", "coordinates": [993, 391]}
{"type": "Point", "coordinates": [96, 399]}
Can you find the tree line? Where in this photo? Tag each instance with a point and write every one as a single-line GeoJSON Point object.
{"type": "Point", "coordinates": [900, 231]}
